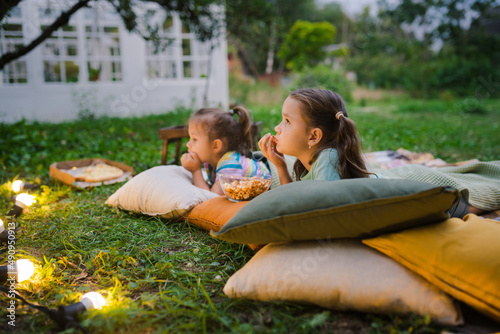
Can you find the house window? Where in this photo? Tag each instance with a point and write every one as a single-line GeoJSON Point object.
{"type": "Point", "coordinates": [180, 55]}
{"type": "Point", "coordinates": [161, 59]}
{"type": "Point", "coordinates": [60, 55]}
{"type": "Point", "coordinates": [103, 53]}
{"type": "Point", "coordinates": [11, 37]}
{"type": "Point", "coordinates": [195, 55]}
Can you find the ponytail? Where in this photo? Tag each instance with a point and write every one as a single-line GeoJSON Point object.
{"type": "Point", "coordinates": [219, 124]}
{"type": "Point", "coordinates": [351, 163]}
{"type": "Point", "coordinates": [246, 127]}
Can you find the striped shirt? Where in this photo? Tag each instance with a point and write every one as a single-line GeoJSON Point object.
{"type": "Point", "coordinates": [236, 164]}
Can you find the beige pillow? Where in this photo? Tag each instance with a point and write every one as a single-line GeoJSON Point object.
{"type": "Point", "coordinates": [342, 275]}
{"type": "Point", "coordinates": [165, 191]}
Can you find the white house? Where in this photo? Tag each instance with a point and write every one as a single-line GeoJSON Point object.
{"type": "Point", "coordinates": [95, 66]}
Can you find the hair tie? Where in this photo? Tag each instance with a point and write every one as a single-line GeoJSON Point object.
{"type": "Point", "coordinates": [231, 112]}
{"type": "Point", "coordinates": [337, 115]}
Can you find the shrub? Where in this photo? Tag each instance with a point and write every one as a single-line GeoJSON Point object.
{"type": "Point", "coordinates": [304, 44]}
{"type": "Point", "coordinates": [471, 105]}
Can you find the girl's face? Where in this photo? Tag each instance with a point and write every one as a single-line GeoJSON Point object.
{"type": "Point", "coordinates": [199, 142]}
{"type": "Point", "coordinates": [292, 133]}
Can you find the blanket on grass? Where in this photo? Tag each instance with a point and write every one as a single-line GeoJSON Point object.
{"type": "Point", "coordinates": [479, 182]}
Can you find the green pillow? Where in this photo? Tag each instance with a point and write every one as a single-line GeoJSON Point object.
{"type": "Point", "coordinates": [350, 208]}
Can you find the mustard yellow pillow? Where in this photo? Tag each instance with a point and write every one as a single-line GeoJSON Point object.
{"type": "Point", "coordinates": [339, 274]}
{"type": "Point", "coordinates": [462, 257]}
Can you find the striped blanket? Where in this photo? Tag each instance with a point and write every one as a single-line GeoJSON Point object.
{"type": "Point", "coordinates": [479, 182]}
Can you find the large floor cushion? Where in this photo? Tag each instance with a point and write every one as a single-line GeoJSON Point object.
{"type": "Point", "coordinates": [340, 275]}
{"type": "Point", "coordinates": [308, 210]}
{"type": "Point", "coordinates": [462, 257]}
{"type": "Point", "coordinates": [214, 213]}
{"type": "Point", "coordinates": [165, 191]}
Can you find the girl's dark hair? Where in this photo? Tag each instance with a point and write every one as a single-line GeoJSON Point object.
{"type": "Point", "coordinates": [319, 107]}
{"type": "Point", "coordinates": [219, 124]}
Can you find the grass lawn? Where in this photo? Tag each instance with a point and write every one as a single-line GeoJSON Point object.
{"type": "Point", "coordinates": [167, 276]}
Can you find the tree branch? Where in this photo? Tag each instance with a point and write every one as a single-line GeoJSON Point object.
{"type": "Point", "coordinates": [62, 20]}
{"type": "Point", "coordinates": [7, 6]}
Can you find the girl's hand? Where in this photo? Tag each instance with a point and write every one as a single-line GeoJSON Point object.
{"type": "Point", "coordinates": [190, 161]}
{"type": "Point", "coordinates": [267, 145]}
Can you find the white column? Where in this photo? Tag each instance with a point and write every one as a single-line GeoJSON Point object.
{"type": "Point", "coordinates": [83, 74]}
{"type": "Point", "coordinates": [31, 30]}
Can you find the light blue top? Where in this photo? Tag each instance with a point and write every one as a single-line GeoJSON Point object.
{"type": "Point", "coordinates": [325, 167]}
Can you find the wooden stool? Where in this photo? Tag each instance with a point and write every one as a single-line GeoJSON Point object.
{"type": "Point", "coordinates": [177, 133]}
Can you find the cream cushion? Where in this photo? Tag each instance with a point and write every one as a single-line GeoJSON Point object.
{"type": "Point", "coordinates": [165, 191]}
{"type": "Point", "coordinates": [343, 275]}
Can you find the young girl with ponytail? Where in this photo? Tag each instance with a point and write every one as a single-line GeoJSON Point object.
{"type": "Point", "coordinates": [317, 131]}
{"type": "Point", "coordinates": [223, 145]}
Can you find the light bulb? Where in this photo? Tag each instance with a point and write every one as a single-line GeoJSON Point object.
{"type": "Point", "coordinates": [20, 271]}
{"type": "Point", "coordinates": [17, 186]}
{"type": "Point", "coordinates": [23, 200]}
{"type": "Point", "coordinates": [89, 301]}
{"type": "Point", "coordinates": [93, 300]}
{"type": "Point", "coordinates": [25, 270]}
{"type": "Point", "coordinates": [4, 235]}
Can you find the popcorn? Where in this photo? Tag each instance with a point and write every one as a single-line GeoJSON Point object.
{"type": "Point", "coordinates": [241, 189]}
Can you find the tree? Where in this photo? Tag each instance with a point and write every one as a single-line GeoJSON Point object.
{"type": "Point", "coordinates": [257, 28]}
{"type": "Point", "coordinates": [248, 28]}
{"type": "Point", "coordinates": [383, 54]}
{"type": "Point", "coordinates": [304, 44]}
{"type": "Point", "coordinates": [468, 51]}
{"type": "Point", "coordinates": [201, 15]}
{"type": "Point", "coordinates": [266, 22]}
{"type": "Point", "coordinates": [444, 20]}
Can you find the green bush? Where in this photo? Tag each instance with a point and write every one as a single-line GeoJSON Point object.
{"type": "Point", "coordinates": [471, 105]}
{"type": "Point", "coordinates": [324, 77]}
{"type": "Point", "coordinates": [304, 44]}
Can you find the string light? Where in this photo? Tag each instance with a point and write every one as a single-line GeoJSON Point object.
{"type": "Point", "coordinates": [19, 185]}
{"type": "Point", "coordinates": [22, 201]}
{"type": "Point", "coordinates": [21, 271]}
{"type": "Point", "coordinates": [89, 301]}
{"type": "Point", "coordinates": [65, 316]}
{"type": "Point", "coordinates": [4, 235]}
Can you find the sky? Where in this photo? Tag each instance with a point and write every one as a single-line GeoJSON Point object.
{"type": "Point", "coordinates": [352, 7]}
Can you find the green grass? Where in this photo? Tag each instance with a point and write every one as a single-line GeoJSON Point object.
{"type": "Point", "coordinates": [166, 275]}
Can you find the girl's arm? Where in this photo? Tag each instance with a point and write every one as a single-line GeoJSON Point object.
{"type": "Point", "coordinates": [268, 148]}
{"type": "Point", "coordinates": [284, 175]}
{"type": "Point", "coordinates": [199, 181]}
{"type": "Point", "coordinates": [216, 188]}
{"type": "Point", "coordinates": [192, 163]}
